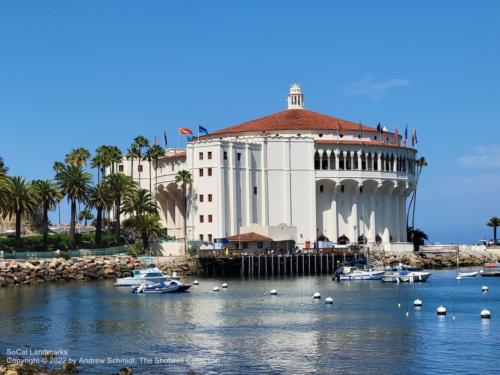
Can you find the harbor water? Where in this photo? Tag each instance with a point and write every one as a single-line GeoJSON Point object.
{"type": "Point", "coordinates": [371, 327]}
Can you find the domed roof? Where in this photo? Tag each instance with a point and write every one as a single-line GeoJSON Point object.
{"type": "Point", "coordinates": [296, 120]}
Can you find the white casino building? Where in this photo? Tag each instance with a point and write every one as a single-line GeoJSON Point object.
{"type": "Point", "coordinates": [293, 175]}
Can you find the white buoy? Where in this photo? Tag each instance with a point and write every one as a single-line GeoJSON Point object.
{"type": "Point", "coordinates": [328, 300]}
{"type": "Point", "coordinates": [196, 282]}
{"type": "Point", "coordinates": [215, 289]}
{"type": "Point", "coordinates": [485, 314]}
{"type": "Point", "coordinates": [224, 285]}
{"type": "Point", "coordinates": [484, 289]}
{"type": "Point", "coordinates": [417, 303]}
{"type": "Point", "coordinates": [441, 310]}
{"type": "Point", "coordinates": [316, 295]}
{"type": "Point", "coordinates": [459, 277]}
{"type": "Point", "coordinates": [273, 292]}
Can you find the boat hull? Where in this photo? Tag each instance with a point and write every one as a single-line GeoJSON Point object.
{"type": "Point", "coordinates": [415, 277]}
{"type": "Point", "coordinates": [362, 276]}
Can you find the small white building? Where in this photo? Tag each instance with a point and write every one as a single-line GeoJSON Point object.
{"type": "Point", "coordinates": [318, 176]}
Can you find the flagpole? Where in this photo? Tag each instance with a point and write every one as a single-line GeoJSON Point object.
{"type": "Point", "coordinates": [178, 140]}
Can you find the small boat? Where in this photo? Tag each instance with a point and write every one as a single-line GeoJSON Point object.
{"type": "Point", "coordinates": [149, 276]}
{"type": "Point", "coordinates": [172, 286]}
{"type": "Point", "coordinates": [351, 273]}
{"type": "Point", "coordinates": [491, 270]}
{"type": "Point", "coordinates": [391, 277]}
{"type": "Point", "coordinates": [414, 276]}
{"type": "Point", "coordinates": [468, 274]}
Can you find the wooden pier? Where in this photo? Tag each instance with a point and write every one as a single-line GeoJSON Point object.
{"type": "Point", "coordinates": [264, 265]}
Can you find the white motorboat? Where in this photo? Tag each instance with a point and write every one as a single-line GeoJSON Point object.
{"type": "Point", "coordinates": [352, 273]}
{"type": "Point", "coordinates": [414, 276]}
{"type": "Point", "coordinates": [149, 276]}
{"type": "Point", "coordinates": [468, 274]}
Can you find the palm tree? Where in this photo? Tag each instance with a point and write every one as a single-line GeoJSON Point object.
{"type": "Point", "coordinates": [146, 227]}
{"type": "Point", "coordinates": [48, 195]}
{"type": "Point", "coordinates": [156, 152]}
{"type": "Point", "coordinates": [77, 157]}
{"type": "Point", "coordinates": [58, 167]}
{"type": "Point", "coordinates": [120, 186]}
{"type": "Point", "coordinates": [99, 161]}
{"type": "Point", "coordinates": [139, 203]}
{"type": "Point", "coordinates": [20, 199]}
{"type": "Point", "coordinates": [494, 222]}
{"type": "Point", "coordinates": [185, 179]}
{"type": "Point", "coordinates": [420, 163]}
{"type": "Point", "coordinates": [140, 143]}
{"type": "Point", "coordinates": [85, 215]}
{"type": "Point", "coordinates": [3, 168]}
{"type": "Point", "coordinates": [417, 237]}
{"type": "Point", "coordinates": [114, 156]}
{"type": "Point", "coordinates": [132, 153]}
{"type": "Point", "coordinates": [74, 183]}
{"type": "Point", "coordinates": [101, 199]}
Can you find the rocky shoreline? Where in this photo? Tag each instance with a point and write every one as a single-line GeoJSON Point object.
{"type": "Point", "coordinates": [426, 261]}
{"type": "Point", "coordinates": [26, 272]}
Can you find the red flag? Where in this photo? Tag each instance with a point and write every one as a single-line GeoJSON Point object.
{"type": "Point", "coordinates": [185, 131]}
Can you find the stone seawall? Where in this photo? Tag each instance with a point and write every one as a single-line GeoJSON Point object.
{"type": "Point", "coordinates": [25, 272]}
{"type": "Point", "coordinates": [426, 261]}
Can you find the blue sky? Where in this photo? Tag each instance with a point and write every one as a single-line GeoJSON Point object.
{"type": "Point", "coordinates": [85, 73]}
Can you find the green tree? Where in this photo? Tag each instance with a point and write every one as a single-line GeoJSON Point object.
{"type": "Point", "coordinates": [100, 161]}
{"type": "Point", "coordinates": [185, 179]}
{"type": "Point", "coordinates": [139, 203]}
{"type": "Point", "coordinates": [77, 157]}
{"type": "Point", "coordinates": [85, 215]}
{"type": "Point", "coordinates": [3, 168]}
{"type": "Point", "coordinates": [119, 186]}
{"type": "Point", "coordinates": [145, 227]}
{"type": "Point", "coordinates": [48, 195]}
{"type": "Point", "coordinates": [114, 156]}
{"type": "Point", "coordinates": [140, 143]}
{"type": "Point", "coordinates": [417, 237]}
{"type": "Point", "coordinates": [74, 183]}
{"type": "Point", "coordinates": [100, 199]}
{"type": "Point", "coordinates": [494, 222]}
{"type": "Point", "coordinates": [20, 199]}
{"type": "Point", "coordinates": [132, 153]}
{"type": "Point", "coordinates": [156, 152]}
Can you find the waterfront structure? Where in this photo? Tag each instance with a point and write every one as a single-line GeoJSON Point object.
{"type": "Point", "coordinates": [295, 175]}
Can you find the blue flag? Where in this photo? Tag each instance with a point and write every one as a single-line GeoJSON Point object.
{"type": "Point", "coordinates": [202, 130]}
{"type": "Point", "coordinates": [190, 138]}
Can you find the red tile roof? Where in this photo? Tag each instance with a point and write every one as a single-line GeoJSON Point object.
{"type": "Point", "coordinates": [294, 120]}
{"type": "Point", "coordinates": [248, 237]}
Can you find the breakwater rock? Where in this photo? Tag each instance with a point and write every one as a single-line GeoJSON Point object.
{"type": "Point", "coordinates": [438, 261]}
{"type": "Point", "coordinates": [25, 272]}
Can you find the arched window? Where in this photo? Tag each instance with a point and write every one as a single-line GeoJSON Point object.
{"type": "Point", "coordinates": [356, 161]}
{"type": "Point", "coordinates": [378, 239]}
{"type": "Point", "coordinates": [348, 164]}
{"type": "Point", "coordinates": [324, 161]}
{"type": "Point", "coordinates": [343, 240]}
{"type": "Point", "coordinates": [332, 160]}
{"type": "Point", "coordinates": [316, 160]}
{"type": "Point", "coordinates": [369, 161]}
{"type": "Point", "coordinates": [363, 161]}
{"type": "Point", "coordinates": [375, 162]}
{"type": "Point", "coordinates": [341, 161]}
{"type": "Point", "coordinates": [382, 162]}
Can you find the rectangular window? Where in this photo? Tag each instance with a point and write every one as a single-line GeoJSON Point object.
{"type": "Point", "coordinates": [260, 245]}
{"type": "Point", "coordinates": [120, 168]}
{"type": "Point", "coordinates": [210, 218]}
{"type": "Point", "coordinates": [209, 155]}
{"type": "Point", "coordinates": [200, 156]}
{"type": "Point", "coordinates": [200, 171]}
{"type": "Point", "coordinates": [139, 168]}
{"type": "Point", "coordinates": [209, 170]}
{"type": "Point", "coordinates": [201, 237]}
{"type": "Point", "coordinates": [202, 219]}
{"type": "Point", "coordinates": [238, 156]}
{"type": "Point", "coordinates": [210, 197]}
{"type": "Point", "coordinates": [209, 238]}
{"type": "Point", "coordinates": [201, 198]}
{"type": "Point", "coordinates": [173, 167]}
{"type": "Point", "coordinates": [225, 155]}
{"type": "Point", "coordinates": [255, 190]}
